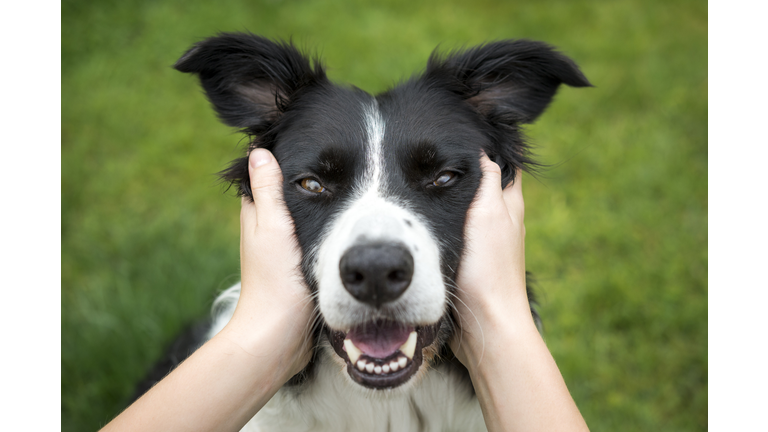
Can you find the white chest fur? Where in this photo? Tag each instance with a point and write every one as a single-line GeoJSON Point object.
{"type": "Point", "coordinates": [332, 403]}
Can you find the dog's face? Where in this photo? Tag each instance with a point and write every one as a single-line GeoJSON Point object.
{"type": "Point", "coordinates": [379, 187]}
{"type": "Point", "coordinates": [379, 194]}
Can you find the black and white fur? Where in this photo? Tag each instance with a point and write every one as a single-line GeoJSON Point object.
{"type": "Point", "coordinates": [400, 168]}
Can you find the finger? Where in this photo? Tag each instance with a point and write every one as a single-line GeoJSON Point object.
{"type": "Point", "coordinates": [513, 195]}
{"type": "Point", "coordinates": [247, 215]}
{"type": "Point", "coordinates": [490, 185]}
{"type": "Point", "coordinates": [266, 185]}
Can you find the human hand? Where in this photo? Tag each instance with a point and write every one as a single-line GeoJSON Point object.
{"type": "Point", "coordinates": [491, 278]}
{"type": "Point", "coordinates": [513, 373]}
{"type": "Point", "coordinates": [274, 300]}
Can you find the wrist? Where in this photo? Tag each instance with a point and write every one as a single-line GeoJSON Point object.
{"type": "Point", "coordinates": [493, 330]}
{"type": "Point", "coordinates": [518, 383]}
{"type": "Point", "coordinates": [275, 339]}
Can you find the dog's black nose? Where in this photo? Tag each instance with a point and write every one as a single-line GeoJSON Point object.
{"type": "Point", "coordinates": [376, 273]}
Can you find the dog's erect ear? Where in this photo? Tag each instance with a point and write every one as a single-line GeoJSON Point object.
{"type": "Point", "coordinates": [509, 83]}
{"type": "Point", "coordinates": [250, 80]}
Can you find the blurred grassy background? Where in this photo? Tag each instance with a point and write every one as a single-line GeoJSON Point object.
{"type": "Point", "coordinates": [616, 230]}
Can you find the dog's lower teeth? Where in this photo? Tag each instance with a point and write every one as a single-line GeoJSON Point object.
{"type": "Point", "coordinates": [408, 349]}
{"type": "Point", "coordinates": [391, 367]}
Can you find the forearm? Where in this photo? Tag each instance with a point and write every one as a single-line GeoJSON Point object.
{"type": "Point", "coordinates": [517, 381]}
{"type": "Point", "coordinates": [219, 388]}
{"type": "Point", "coordinates": [229, 379]}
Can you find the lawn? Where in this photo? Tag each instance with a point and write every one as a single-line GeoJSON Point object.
{"type": "Point", "coordinates": [616, 227]}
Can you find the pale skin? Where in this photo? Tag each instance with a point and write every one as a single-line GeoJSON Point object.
{"type": "Point", "coordinates": [229, 379]}
{"type": "Point", "coordinates": [515, 377]}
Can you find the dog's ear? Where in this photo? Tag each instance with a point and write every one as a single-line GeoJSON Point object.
{"type": "Point", "coordinates": [508, 83]}
{"type": "Point", "coordinates": [250, 80]}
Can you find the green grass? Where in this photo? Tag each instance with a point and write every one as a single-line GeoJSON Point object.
{"type": "Point", "coordinates": [616, 229]}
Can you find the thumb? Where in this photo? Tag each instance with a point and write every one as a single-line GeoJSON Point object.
{"type": "Point", "coordinates": [266, 184]}
{"type": "Point", "coordinates": [513, 196]}
{"type": "Point", "coordinates": [490, 184]}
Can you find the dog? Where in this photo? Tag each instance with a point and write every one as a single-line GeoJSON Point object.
{"type": "Point", "coordinates": [378, 188]}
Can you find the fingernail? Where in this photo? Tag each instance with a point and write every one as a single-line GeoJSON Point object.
{"type": "Point", "coordinates": [260, 157]}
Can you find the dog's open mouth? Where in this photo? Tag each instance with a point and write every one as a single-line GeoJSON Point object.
{"type": "Point", "coordinates": [383, 355]}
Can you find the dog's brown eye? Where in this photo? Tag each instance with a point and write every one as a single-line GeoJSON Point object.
{"type": "Point", "coordinates": [444, 178]}
{"type": "Point", "coordinates": [312, 185]}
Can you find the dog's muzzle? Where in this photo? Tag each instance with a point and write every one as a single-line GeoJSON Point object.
{"type": "Point", "coordinates": [380, 290]}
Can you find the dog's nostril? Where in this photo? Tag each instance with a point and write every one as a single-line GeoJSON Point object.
{"type": "Point", "coordinates": [353, 277]}
{"type": "Point", "coordinates": [396, 276]}
{"type": "Point", "coordinates": [376, 273]}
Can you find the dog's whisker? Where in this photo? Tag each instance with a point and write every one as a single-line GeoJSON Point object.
{"type": "Point", "coordinates": [479, 326]}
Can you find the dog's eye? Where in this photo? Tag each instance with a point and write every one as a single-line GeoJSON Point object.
{"type": "Point", "coordinates": [444, 178]}
{"type": "Point", "coordinates": [312, 185]}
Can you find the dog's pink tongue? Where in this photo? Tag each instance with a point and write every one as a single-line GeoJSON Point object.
{"type": "Point", "coordinates": [379, 340]}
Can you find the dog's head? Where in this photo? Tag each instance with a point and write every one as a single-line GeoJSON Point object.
{"type": "Point", "coordinates": [379, 186]}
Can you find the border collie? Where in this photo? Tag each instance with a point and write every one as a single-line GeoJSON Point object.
{"type": "Point", "coordinates": [378, 188]}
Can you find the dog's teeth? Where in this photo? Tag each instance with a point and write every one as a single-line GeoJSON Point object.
{"type": "Point", "coordinates": [409, 347]}
{"type": "Point", "coordinates": [352, 351]}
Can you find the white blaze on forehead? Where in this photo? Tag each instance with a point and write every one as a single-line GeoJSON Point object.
{"type": "Point", "coordinates": [368, 217]}
{"type": "Point", "coordinates": [374, 157]}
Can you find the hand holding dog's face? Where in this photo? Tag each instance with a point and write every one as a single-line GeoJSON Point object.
{"type": "Point", "coordinates": [273, 290]}
{"type": "Point", "coordinates": [491, 277]}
